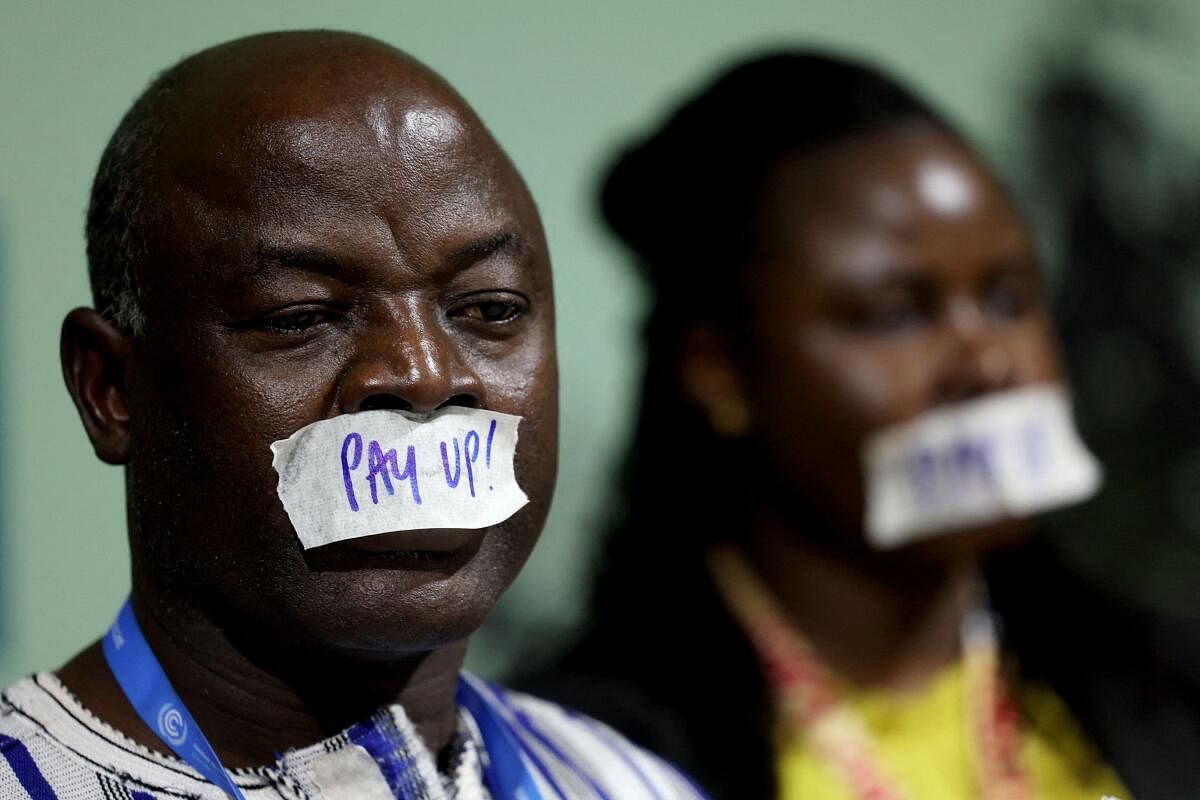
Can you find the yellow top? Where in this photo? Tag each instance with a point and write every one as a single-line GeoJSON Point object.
{"type": "Point", "coordinates": [921, 743]}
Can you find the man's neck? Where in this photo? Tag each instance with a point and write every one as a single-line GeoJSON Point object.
{"type": "Point", "coordinates": [248, 711]}
{"type": "Point", "coordinates": [871, 623]}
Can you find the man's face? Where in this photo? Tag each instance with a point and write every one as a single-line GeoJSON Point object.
{"type": "Point", "coordinates": [321, 250]}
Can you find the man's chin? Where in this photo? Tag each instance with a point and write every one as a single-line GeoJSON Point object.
{"type": "Point", "coordinates": [380, 596]}
{"type": "Point", "coordinates": [397, 603]}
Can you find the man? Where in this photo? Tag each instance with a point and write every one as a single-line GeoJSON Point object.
{"type": "Point", "coordinates": [284, 229]}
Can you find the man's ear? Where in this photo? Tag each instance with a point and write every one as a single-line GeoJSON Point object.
{"type": "Point", "coordinates": [95, 356]}
{"type": "Point", "coordinates": [710, 378]}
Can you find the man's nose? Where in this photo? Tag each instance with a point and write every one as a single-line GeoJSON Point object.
{"type": "Point", "coordinates": [977, 360]}
{"type": "Point", "coordinates": [411, 365]}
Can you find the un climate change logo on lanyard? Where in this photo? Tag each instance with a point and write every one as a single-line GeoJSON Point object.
{"type": "Point", "coordinates": [171, 724]}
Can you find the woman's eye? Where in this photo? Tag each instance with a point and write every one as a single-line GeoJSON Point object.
{"type": "Point", "coordinates": [1009, 298]}
{"type": "Point", "coordinates": [889, 317]}
{"type": "Point", "coordinates": [492, 311]}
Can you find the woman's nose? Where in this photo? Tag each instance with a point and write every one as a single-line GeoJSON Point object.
{"type": "Point", "coordinates": [408, 364]}
{"type": "Point", "coordinates": [977, 360]}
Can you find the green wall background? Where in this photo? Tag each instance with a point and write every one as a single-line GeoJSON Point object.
{"type": "Point", "coordinates": [560, 83]}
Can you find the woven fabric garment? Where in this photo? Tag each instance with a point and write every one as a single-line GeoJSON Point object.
{"type": "Point", "coordinates": [53, 747]}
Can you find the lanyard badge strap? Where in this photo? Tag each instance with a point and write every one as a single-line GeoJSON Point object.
{"type": "Point", "coordinates": [150, 693]}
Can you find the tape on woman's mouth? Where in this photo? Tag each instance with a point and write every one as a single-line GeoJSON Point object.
{"type": "Point", "coordinates": [1007, 454]}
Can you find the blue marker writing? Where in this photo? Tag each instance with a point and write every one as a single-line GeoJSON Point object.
{"type": "Point", "coordinates": [347, 467]}
{"type": "Point", "coordinates": [451, 482]}
{"type": "Point", "coordinates": [471, 458]}
{"type": "Point", "coordinates": [382, 467]}
{"type": "Point", "coordinates": [469, 455]}
{"type": "Point", "coordinates": [491, 435]}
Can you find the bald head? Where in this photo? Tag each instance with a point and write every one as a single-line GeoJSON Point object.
{"type": "Point", "coordinates": [203, 111]}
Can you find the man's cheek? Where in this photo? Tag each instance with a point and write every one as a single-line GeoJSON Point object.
{"type": "Point", "coordinates": [532, 451]}
{"type": "Point", "coordinates": [269, 408]}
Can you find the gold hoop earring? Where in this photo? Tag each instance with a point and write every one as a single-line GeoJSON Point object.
{"type": "Point", "coordinates": [729, 417]}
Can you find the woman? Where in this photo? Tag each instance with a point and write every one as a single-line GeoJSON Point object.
{"type": "Point", "coordinates": [828, 258]}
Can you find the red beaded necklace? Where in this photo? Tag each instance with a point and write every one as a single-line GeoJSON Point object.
{"type": "Point", "coordinates": [812, 706]}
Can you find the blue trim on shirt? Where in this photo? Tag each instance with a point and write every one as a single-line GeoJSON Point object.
{"type": "Point", "coordinates": [23, 766]}
{"type": "Point", "coordinates": [399, 772]}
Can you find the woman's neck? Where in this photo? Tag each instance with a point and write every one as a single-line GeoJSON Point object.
{"type": "Point", "coordinates": [875, 621]}
{"type": "Point", "coordinates": [250, 711]}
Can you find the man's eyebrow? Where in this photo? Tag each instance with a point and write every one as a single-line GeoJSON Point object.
{"type": "Point", "coordinates": [473, 252]}
{"type": "Point", "coordinates": [270, 257]}
{"type": "Point", "coordinates": [306, 259]}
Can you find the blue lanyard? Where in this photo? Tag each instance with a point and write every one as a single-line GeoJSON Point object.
{"type": "Point", "coordinates": [150, 693]}
{"type": "Point", "coordinates": [141, 677]}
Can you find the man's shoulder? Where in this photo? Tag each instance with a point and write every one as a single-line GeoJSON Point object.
{"type": "Point", "coordinates": [29, 713]}
{"type": "Point", "coordinates": [52, 746]}
{"type": "Point", "coordinates": [582, 757]}
{"type": "Point", "coordinates": [43, 744]}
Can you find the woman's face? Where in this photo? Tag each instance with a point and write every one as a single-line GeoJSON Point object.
{"type": "Point", "coordinates": [897, 278]}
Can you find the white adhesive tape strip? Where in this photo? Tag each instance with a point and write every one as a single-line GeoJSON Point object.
{"type": "Point", "coordinates": [1007, 454]}
{"type": "Point", "coordinates": [382, 471]}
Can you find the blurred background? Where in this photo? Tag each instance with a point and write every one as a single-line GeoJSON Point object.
{"type": "Point", "coordinates": [1089, 108]}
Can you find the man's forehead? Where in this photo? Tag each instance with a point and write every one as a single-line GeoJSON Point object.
{"type": "Point", "coordinates": [341, 134]}
{"type": "Point", "coordinates": [343, 120]}
{"type": "Point", "coordinates": [381, 156]}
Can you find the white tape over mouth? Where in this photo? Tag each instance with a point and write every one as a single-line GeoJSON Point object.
{"type": "Point", "coordinates": [381, 471]}
{"type": "Point", "coordinates": [1008, 454]}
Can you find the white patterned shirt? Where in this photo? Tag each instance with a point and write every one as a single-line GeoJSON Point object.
{"type": "Point", "coordinates": [51, 747]}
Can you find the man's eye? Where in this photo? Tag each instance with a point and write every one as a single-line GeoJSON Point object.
{"type": "Point", "coordinates": [292, 322]}
{"type": "Point", "coordinates": [492, 311]}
